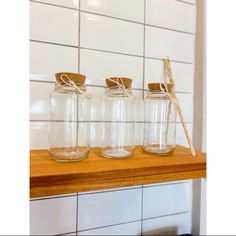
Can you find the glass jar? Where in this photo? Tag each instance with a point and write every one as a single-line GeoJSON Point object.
{"type": "Point", "coordinates": [117, 134]}
{"type": "Point", "coordinates": [160, 121]}
{"type": "Point", "coordinates": [69, 118]}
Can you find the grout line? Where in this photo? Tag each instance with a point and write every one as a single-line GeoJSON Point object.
{"type": "Point", "coordinates": [101, 227]}
{"type": "Point", "coordinates": [167, 184]}
{"type": "Point", "coordinates": [65, 234]}
{"type": "Point", "coordinates": [189, 3]}
{"type": "Point", "coordinates": [121, 19]}
{"type": "Point", "coordinates": [106, 191]}
{"type": "Point", "coordinates": [112, 17]}
{"type": "Point", "coordinates": [136, 22]}
{"type": "Point", "coordinates": [79, 19]}
{"type": "Point", "coordinates": [144, 60]}
{"type": "Point", "coordinates": [119, 53]}
{"type": "Point", "coordinates": [53, 197]}
{"type": "Point", "coordinates": [161, 59]}
{"type": "Point", "coordinates": [106, 51]}
{"type": "Point", "coordinates": [77, 211]}
{"type": "Point", "coordinates": [174, 214]}
{"type": "Point", "coordinates": [78, 69]}
{"type": "Point", "coordinates": [142, 213]}
{"type": "Point", "coordinates": [53, 43]}
{"type": "Point", "coordinates": [102, 86]}
{"type": "Point", "coordinates": [144, 47]}
{"type": "Point", "coordinates": [174, 30]}
{"type": "Point", "coordinates": [98, 121]}
{"type": "Point", "coordinates": [129, 222]}
{"type": "Point", "coordinates": [55, 5]}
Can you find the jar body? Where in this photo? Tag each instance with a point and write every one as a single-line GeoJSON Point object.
{"type": "Point", "coordinates": [69, 124]}
{"type": "Point", "coordinates": [160, 124]}
{"type": "Point", "coordinates": [117, 126]}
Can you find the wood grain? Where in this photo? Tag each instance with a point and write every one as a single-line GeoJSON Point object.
{"type": "Point", "coordinates": [48, 177]}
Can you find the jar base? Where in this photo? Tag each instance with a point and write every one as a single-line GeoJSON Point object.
{"type": "Point", "coordinates": [155, 150]}
{"type": "Point", "coordinates": [116, 154]}
{"type": "Point", "coordinates": [62, 155]}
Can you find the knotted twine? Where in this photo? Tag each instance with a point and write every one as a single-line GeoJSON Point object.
{"type": "Point", "coordinates": [121, 86]}
{"type": "Point", "coordinates": [68, 82]}
{"type": "Point", "coordinates": [172, 96]}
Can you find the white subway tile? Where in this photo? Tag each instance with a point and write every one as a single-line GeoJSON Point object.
{"type": "Point", "coordinates": [123, 229]}
{"type": "Point", "coordinates": [169, 225]}
{"type": "Point", "coordinates": [39, 135]}
{"type": "Point", "coordinates": [53, 216]}
{"type": "Point", "coordinates": [104, 209]}
{"type": "Point", "coordinates": [171, 14]}
{"type": "Point", "coordinates": [53, 24]}
{"type": "Point", "coordinates": [48, 59]}
{"type": "Point", "coordinates": [180, 136]}
{"type": "Point", "coordinates": [129, 9]}
{"type": "Point", "coordinates": [161, 43]}
{"type": "Point", "coordinates": [186, 105]}
{"type": "Point", "coordinates": [39, 100]}
{"type": "Point", "coordinates": [104, 33]}
{"type": "Point", "coordinates": [65, 3]}
{"type": "Point", "coordinates": [100, 65]}
{"type": "Point", "coordinates": [166, 199]}
{"type": "Point", "coordinates": [183, 74]}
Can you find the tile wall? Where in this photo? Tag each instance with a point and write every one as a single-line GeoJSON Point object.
{"type": "Point", "coordinates": [102, 38]}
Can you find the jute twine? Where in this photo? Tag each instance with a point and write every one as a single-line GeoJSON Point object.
{"type": "Point", "coordinates": [70, 83]}
{"type": "Point", "coordinates": [120, 84]}
{"type": "Point", "coordinates": [174, 99]}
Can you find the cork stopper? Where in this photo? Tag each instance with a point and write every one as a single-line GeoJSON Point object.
{"type": "Point", "coordinates": [76, 78]}
{"type": "Point", "coordinates": [156, 87]}
{"type": "Point", "coordinates": [122, 80]}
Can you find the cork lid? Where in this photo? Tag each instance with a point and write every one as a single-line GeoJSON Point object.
{"type": "Point", "coordinates": [76, 78]}
{"type": "Point", "coordinates": [122, 80]}
{"type": "Point", "coordinates": [156, 87]}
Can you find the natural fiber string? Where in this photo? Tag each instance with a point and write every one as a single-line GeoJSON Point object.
{"type": "Point", "coordinates": [174, 99]}
{"type": "Point", "coordinates": [121, 86]}
{"type": "Point", "coordinates": [71, 83]}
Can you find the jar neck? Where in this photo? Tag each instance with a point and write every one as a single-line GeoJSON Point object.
{"type": "Point", "coordinates": [156, 94]}
{"type": "Point", "coordinates": [63, 88]}
{"type": "Point", "coordinates": [115, 91]}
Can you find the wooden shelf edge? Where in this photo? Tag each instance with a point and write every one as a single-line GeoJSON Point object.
{"type": "Point", "coordinates": [117, 183]}
{"type": "Point", "coordinates": [48, 177]}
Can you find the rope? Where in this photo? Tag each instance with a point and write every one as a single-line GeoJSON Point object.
{"type": "Point", "coordinates": [121, 86]}
{"type": "Point", "coordinates": [72, 84]}
{"type": "Point", "coordinates": [175, 100]}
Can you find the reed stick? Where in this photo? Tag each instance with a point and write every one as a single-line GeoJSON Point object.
{"type": "Point", "coordinates": [168, 72]}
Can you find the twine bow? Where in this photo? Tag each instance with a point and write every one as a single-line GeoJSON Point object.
{"type": "Point", "coordinates": [121, 86]}
{"type": "Point", "coordinates": [70, 83]}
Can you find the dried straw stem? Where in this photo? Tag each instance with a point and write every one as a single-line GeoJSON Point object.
{"type": "Point", "coordinates": [168, 72]}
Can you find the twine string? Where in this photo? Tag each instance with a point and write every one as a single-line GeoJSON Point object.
{"type": "Point", "coordinates": [70, 83]}
{"type": "Point", "coordinates": [121, 86]}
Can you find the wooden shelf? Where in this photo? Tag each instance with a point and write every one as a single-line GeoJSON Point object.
{"type": "Point", "coordinates": [48, 177]}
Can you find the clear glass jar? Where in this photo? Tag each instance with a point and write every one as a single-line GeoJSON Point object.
{"type": "Point", "coordinates": [117, 134]}
{"type": "Point", "coordinates": [69, 118]}
{"type": "Point", "coordinates": [160, 121]}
